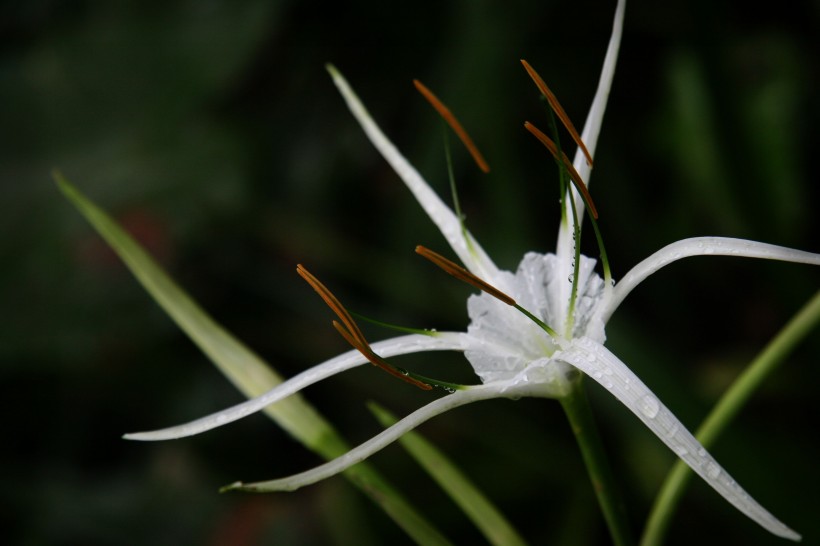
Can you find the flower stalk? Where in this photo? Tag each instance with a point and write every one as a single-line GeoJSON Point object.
{"type": "Point", "coordinates": [579, 413]}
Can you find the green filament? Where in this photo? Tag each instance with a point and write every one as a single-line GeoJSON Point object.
{"type": "Point", "coordinates": [451, 175]}
{"type": "Point", "coordinates": [576, 225]}
{"type": "Point", "coordinates": [447, 386]}
{"type": "Point", "coordinates": [405, 329]}
{"type": "Point", "coordinates": [552, 333]}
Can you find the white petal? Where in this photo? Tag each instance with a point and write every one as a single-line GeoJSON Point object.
{"type": "Point", "coordinates": [471, 255]}
{"type": "Point", "coordinates": [414, 343]}
{"type": "Point", "coordinates": [595, 117]}
{"type": "Point", "coordinates": [701, 246]}
{"type": "Point", "coordinates": [375, 444]}
{"type": "Point", "coordinates": [540, 274]}
{"type": "Point", "coordinates": [504, 342]}
{"type": "Point", "coordinates": [605, 368]}
{"type": "Point", "coordinates": [592, 128]}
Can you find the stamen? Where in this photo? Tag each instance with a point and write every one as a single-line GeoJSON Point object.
{"type": "Point", "coordinates": [451, 120]}
{"type": "Point", "coordinates": [396, 327]}
{"type": "Point", "coordinates": [334, 304]}
{"type": "Point", "coordinates": [578, 182]}
{"type": "Point", "coordinates": [463, 275]}
{"type": "Point", "coordinates": [558, 109]}
{"type": "Point", "coordinates": [351, 332]}
{"type": "Point", "coordinates": [378, 361]}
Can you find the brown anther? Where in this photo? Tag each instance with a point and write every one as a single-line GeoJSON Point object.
{"type": "Point", "coordinates": [334, 304]}
{"type": "Point", "coordinates": [378, 361]}
{"type": "Point", "coordinates": [562, 157]}
{"type": "Point", "coordinates": [558, 109]}
{"type": "Point", "coordinates": [351, 332]}
{"type": "Point", "coordinates": [451, 120]}
{"type": "Point", "coordinates": [463, 275]}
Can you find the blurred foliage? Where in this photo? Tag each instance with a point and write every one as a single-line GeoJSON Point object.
{"type": "Point", "coordinates": [214, 134]}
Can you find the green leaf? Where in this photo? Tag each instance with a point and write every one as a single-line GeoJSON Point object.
{"type": "Point", "coordinates": [724, 412]}
{"type": "Point", "coordinates": [489, 520]}
{"type": "Point", "coordinates": [249, 373]}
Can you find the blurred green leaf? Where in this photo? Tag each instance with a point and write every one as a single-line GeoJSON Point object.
{"type": "Point", "coordinates": [246, 370]}
{"type": "Point", "coordinates": [469, 498]}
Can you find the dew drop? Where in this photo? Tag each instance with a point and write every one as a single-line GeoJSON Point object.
{"type": "Point", "coordinates": [712, 470]}
{"type": "Point", "coordinates": [608, 385]}
{"type": "Point", "coordinates": [681, 451]}
{"type": "Point", "coordinates": [570, 279]}
{"type": "Point", "coordinates": [649, 406]}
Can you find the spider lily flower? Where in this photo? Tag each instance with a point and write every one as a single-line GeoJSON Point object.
{"type": "Point", "coordinates": [531, 333]}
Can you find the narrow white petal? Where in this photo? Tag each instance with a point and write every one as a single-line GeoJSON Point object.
{"type": "Point", "coordinates": [605, 368]}
{"type": "Point", "coordinates": [592, 128]}
{"type": "Point", "coordinates": [701, 246]}
{"type": "Point", "coordinates": [375, 444]}
{"type": "Point", "coordinates": [471, 255]}
{"type": "Point", "coordinates": [595, 117]}
{"type": "Point", "coordinates": [413, 343]}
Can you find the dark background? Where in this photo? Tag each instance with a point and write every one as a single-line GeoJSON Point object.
{"type": "Point", "coordinates": [212, 131]}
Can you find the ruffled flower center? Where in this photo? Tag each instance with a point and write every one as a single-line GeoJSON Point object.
{"type": "Point", "coordinates": [507, 343]}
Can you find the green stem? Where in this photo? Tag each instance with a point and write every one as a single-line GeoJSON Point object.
{"type": "Point", "coordinates": [724, 412]}
{"type": "Point", "coordinates": [579, 413]}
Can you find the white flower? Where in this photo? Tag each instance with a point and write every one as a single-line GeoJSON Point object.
{"type": "Point", "coordinates": [512, 355]}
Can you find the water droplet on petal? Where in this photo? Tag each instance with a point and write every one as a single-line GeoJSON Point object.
{"type": "Point", "coordinates": [570, 279]}
{"type": "Point", "coordinates": [649, 406]}
{"type": "Point", "coordinates": [712, 470]}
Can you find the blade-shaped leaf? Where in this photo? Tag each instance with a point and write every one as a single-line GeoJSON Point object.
{"type": "Point", "coordinates": [728, 407]}
{"type": "Point", "coordinates": [249, 373]}
{"type": "Point", "coordinates": [489, 520]}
